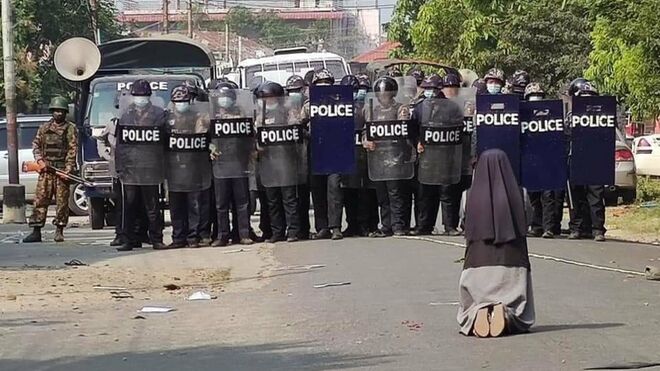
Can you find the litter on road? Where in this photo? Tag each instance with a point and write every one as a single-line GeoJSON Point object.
{"type": "Point", "coordinates": [150, 309]}
{"type": "Point", "coordinates": [235, 251]}
{"type": "Point", "coordinates": [201, 295]}
{"type": "Point", "coordinates": [331, 284]}
{"type": "Point", "coordinates": [300, 267]}
{"type": "Point", "coordinates": [112, 288]}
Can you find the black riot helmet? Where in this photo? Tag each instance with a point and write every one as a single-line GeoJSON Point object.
{"type": "Point", "coordinates": [309, 76]}
{"type": "Point", "coordinates": [451, 80]}
{"type": "Point", "coordinates": [225, 89]}
{"type": "Point", "coordinates": [350, 80]}
{"type": "Point", "coordinates": [480, 84]}
{"type": "Point", "coordinates": [432, 82]}
{"type": "Point", "coordinates": [417, 74]}
{"type": "Point", "coordinates": [294, 82]}
{"type": "Point", "coordinates": [394, 72]}
{"type": "Point", "coordinates": [141, 87]}
{"type": "Point", "coordinates": [385, 84]}
{"type": "Point", "coordinates": [269, 89]}
{"type": "Point", "coordinates": [364, 81]}
{"type": "Point", "coordinates": [582, 86]}
{"type": "Point", "coordinates": [215, 83]}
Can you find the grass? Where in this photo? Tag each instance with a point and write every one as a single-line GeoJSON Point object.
{"type": "Point", "coordinates": [634, 223]}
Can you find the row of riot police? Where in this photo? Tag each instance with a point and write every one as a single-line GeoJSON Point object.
{"type": "Point", "coordinates": [378, 151]}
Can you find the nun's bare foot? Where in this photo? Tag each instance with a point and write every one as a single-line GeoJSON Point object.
{"type": "Point", "coordinates": [497, 321]}
{"type": "Point", "coordinates": [481, 325]}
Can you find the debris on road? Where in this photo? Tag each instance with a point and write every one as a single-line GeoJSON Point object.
{"type": "Point", "coordinates": [171, 287]}
{"type": "Point", "coordinates": [201, 295]}
{"type": "Point", "coordinates": [412, 326]}
{"type": "Point", "coordinates": [139, 317]}
{"type": "Point", "coordinates": [433, 304]}
{"type": "Point", "coordinates": [652, 273]}
{"type": "Point", "coordinates": [121, 295]}
{"type": "Point", "coordinates": [300, 267]}
{"type": "Point", "coordinates": [113, 288]}
{"type": "Point", "coordinates": [75, 263]}
{"type": "Point", "coordinates": [150, 309]}
{"type": "Point", "coordinates": [331, 284]}
{"type": "Point", "coordinates": [235, 251]}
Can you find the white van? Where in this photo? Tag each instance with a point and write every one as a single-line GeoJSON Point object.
{"type": "Point", "coordinates": [284, 63]}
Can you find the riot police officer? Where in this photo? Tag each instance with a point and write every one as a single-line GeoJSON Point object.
{"type": "Point", "coordinates": [494, 80]}
{"type": "Point", "coordinates": [280, 160]}
{"type": "Point", "coordinates": [451, 83]}
{"type": "Point", "coordinates": [392, 182]}
{"type": "Point", "coordinates": [519, 82]}
{"type": "Point", "coordinates": [552, 201]}
{"type": "Point", "coordinates": [587, 217]}
{"type": "Point", "coordinates": [56, 145]}
{"type": "Point", "coordinates": [359, 195]}
{"type": "Point", "coordinates": [140, 166]}
{"type": "Point", "coordinates": [187, 168]}
{"type": "Point", "coordinates": [419, 77]}
{"type": "Point", "coordinates": [297, 91]}
{"type": "Point", "coordinates": [231, 152]}
{"type": "Point", "coordinates": [327, 195]}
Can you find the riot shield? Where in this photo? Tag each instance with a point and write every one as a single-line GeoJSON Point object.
{"type": "Point", "coordinates": [332, 129]}
{"type": "Point", "coordinates": [466, 99]}
{"type": "Point", "coordinates": [441, 134]}
{"type": "Point", "coordinates": [360, 177]}
{"type": "Point", "coordinates": [593, 125]}
{"type": "Point", "coordinates": [280, 143]}
{"type": "Point", "coordinates": [187, 162]}
{"type": "Point", "coordinates": [497, 124]}
{"type": "Point", "coordinates": [232, 134]}
{"type": "Point", "coordinates": [408, 91]}
{"type": "Point", "coordinates": [543, 151]}
{"type": "Point", "coordinates": [139, 156]}
{"type": "Point", "coordinates": [389, 128]}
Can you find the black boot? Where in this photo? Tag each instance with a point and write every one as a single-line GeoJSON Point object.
{"type": "Point", "coordinates": [59, 234]}
{"type": "Point", "coordinates": [35, 236]}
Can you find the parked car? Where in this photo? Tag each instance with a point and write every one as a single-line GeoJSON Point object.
{"type": "Point", "coordinates": [625, 176]}
{"type": "Point", "coordinates": [647, 155]}
{"type": "Point", "coordinates": [27, 129]}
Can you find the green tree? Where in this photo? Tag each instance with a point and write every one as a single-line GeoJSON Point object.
{"type": "Point", "coordinates": [625, 60]}
{"type": "Point", "coordinates": [39, 27]}
{"type": "Point", "coordinates": [404, 17]}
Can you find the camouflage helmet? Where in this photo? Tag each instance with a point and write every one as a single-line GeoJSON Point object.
{"type": "Point", "coordinates": [520, 79]}
{"type": "Point", "coordinates": [323, 76]}
{"type": "Point", "coordinates": [432, 82]}
{"type": "Point", "coordinates": [294, 82]}
{"type": "Point", "coordinates": [581, 86]}
{"type": "Point", "coordinates": [480, 85]}
{"type": "Point", "coordinates": [533, 88]}
{"type": "Point", "coordinates": [141, 87]}
{"type": "Point", "coordinates": [384, 84]}
{"type": "Point", "coordinates": [495, 74]}
{"type": "Point", "coordinates": [309, 76]}
{"type": "Point", "coordinates": [350, 80]}
{"type": "Point", "coordinates": [58, 103]}
{"type": "Point", "coordinates": [180, 93]}
{"type": "Point", "coordinates": [451, 80]}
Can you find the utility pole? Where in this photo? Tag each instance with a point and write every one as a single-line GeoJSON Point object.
{"type": "Point", "coordinates": [166, 16]}
{"type": "Point", "coordinates": [190, 10]}
{"type": "Point", "coordinates": [14, 194]}
{"type": "Point", "coordinates": [94, 10]}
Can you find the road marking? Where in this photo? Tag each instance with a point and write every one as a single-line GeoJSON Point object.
{"type": "Point", "coordinates": [532, 255]}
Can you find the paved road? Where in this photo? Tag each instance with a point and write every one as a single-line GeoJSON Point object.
{"type": "Point", "coordinates": [586, 316]}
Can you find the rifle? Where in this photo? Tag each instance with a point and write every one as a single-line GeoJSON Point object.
{"type": "Point", "coordinates": [34, 166]}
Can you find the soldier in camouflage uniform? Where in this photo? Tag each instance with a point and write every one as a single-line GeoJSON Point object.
{"type": "Point", "coordinates": [56, 145]}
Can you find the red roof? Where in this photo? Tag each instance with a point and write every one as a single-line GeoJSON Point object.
{"type": "Point", "coordinates": [153, 17]}
{"type": "Point", "coordinates": [381, 52]}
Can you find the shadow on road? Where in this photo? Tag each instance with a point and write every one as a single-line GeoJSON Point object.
{"type": "Point", "coordinates": [576, 326]}
{"type": "Point", "coordinates": [271, 356]}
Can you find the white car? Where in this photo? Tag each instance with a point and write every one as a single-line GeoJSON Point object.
{"type": "Point", "coordinates": [646, 150]}
{"type": "Point", "coordinates": [27, 129]}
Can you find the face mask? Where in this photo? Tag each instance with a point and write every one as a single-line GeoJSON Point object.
{"type": "Point", "coordinates": [361, 94]}
{"type": "Point", "coordinates": [533, 98]}
{"type": "Point", "coordinates": [182, 107]}
{"type": "Point", "coordinates": [494, 88]}
{"type": "Point", "coordinates": [59, 116]}
{"type": "Point", "coordinates": [141, 101]}
{"type": "Point", "coordinates": [225, 102]}
{"type": "Point", "coordinates": [429, 93]}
